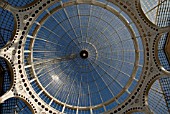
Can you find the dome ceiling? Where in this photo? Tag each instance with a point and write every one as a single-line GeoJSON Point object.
{"type": "Point", "coordinates": [87, 52]}
{"type": "Point", "coordinates": [82, 56]}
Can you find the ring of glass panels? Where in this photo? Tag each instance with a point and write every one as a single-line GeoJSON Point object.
{"type": "Point", "coordinates": [62, 78]}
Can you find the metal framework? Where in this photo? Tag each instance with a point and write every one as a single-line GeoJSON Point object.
{"type": "Point", "coordinates": [29, 60]}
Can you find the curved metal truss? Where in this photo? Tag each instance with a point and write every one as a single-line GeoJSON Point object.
{"type": "Point", "coordinates": [28, 54]}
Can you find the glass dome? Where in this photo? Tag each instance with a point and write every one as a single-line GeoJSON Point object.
{"type": "Point", "coordinates": [83, 56]}
{"type": "Point", "coordinates": [20, 3]}
{"type": "Point", "coordinates": [6, 27]}
{"type": "Point", "coordinates": [15, 106]}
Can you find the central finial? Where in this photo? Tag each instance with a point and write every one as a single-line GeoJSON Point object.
{"type": "Point", "coordinates": [84, 54]}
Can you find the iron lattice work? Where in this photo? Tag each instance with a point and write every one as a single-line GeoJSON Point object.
{"type": "Point", "coordinates": [83, 56]}
{"type": "Point", "coordinates": [161, 10]}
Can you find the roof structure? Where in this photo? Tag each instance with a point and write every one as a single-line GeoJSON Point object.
{"type": "Point", "coordinates": [84, 56]}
